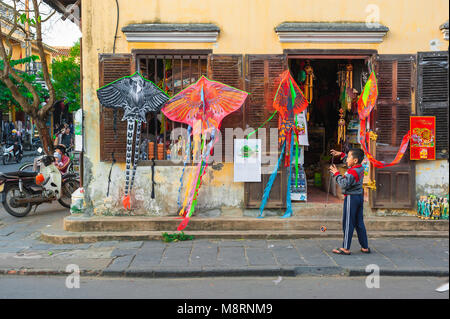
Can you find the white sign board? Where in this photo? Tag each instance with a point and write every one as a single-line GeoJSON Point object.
{"type": "Point", "coordinates": [247, 160]}
{"type": "Point", "coordinates": [78, 127]}
{"type": "Point", "coordinates": [302, 129]}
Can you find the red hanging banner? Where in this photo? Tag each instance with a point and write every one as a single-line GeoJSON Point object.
{"type": "Point", "coordinates": [423, 137]}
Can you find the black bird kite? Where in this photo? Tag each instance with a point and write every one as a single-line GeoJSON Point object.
{"type": "Point", "coordinates": [136, 96]}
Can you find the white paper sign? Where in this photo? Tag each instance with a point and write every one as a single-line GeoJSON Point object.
{"type": "Point", "coordinates": [302, 129]}
{"type": "Point", "coordinates": [247, 160]}
{"type": "Point", "coordinates": [78, 127]}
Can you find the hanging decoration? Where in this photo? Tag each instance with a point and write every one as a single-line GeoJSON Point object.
{"type": "Point", "coordinates": [345, 81]}
{"type": "Point", "coordinates": [202, 106]}
{"type": "Point", "coordinates": [423, 138]}
{"type": "Point", "coordinates": [137, 96]}
{"type": "Point", "coordinates": [309, 82]}
{"type": "Point", "coordinates": [289, 101]}
{"type": "Point", "coordinates": [366, 103]}
{"type": "Point", "coordinates": [341, 127]}
{"type": "Point", "coordinates": [348, 85]}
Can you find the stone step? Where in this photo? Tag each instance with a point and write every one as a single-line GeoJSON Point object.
{"type": "Point", "coordinates": [64, 237]}
{"type": "Point", "coordinates": [244, 224]}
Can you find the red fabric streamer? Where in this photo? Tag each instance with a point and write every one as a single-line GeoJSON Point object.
{"type": "Point", "coordinates": [366, 103]}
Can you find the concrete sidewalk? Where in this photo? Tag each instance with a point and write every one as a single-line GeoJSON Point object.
{"type": "Point", "coordinates": [21, 252]}
{"type": "Point", "coordinates": [203, 258]}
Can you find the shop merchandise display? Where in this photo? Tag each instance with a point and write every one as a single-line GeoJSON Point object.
{"type": "Point", "coordinates": [432, 207]}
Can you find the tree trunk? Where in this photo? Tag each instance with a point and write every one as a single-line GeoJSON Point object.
{"type": "Point", "coordinates": [44, 135]}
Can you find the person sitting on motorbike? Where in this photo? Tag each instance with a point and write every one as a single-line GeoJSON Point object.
{"type": "Point", "coordinates": [14, 139]}
{"type": "Point", "coordinates": [62, 161]}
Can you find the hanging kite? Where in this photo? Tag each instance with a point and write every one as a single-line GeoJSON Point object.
{"type": "Point", "coordinates": [136, 96]}
{"type": "Point", "coordinates": [366, 103]}
{"type": "Point", "coordinates": [202, 106]}
{"type": "Point", "coordinates": [288, 102]}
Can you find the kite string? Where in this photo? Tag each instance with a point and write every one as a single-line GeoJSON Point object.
{"type": "Point", "coordinates": [210, 146]}
{"type": "Point", "coordinates": [196, 180]}
{"type": "Point", "coordinates": [186, 159]}
{"type": "Point", "coordinates": [270, 182]}
{"type": "Point", "coordinates": [262, 125]}
{"type": "Point", "coordinates": [288, 212]}
{"type": "Point", "coordinates": [196, 133]}
{"type": "Point", "coordinates": [196, 141]}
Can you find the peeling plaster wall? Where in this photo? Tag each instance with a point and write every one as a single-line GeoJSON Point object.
{"type": "Point", "coordinates": [218, 190]}
{"type": "Point", "coordinates": [432, 178]}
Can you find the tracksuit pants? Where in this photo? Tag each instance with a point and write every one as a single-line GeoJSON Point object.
{"type": "Point", "coordinates": [353, 219]}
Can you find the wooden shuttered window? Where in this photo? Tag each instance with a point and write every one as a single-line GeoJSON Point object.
{"type": "Point", "coordinates": [262, 73]}
{"type": "Point", "coordinates": [396, 184]}
{"type": "Point", "coordinates": [111, 68]}
{"type": "Point", "coordinates": [228, 69]}
{"type": "Point", "coordinates": [262, 82]}
{"type": "Point", "coordinates": [432, 95]}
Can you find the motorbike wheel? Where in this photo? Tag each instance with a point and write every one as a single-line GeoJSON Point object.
{"type": "Point", "coordinates": [19, 158]}
{"type": "Point", "coordinates": [4, 160]}
{"type": "Point", "coordinates": [14, 192]}
{"type": "Point", "coordinates": [67, 188]}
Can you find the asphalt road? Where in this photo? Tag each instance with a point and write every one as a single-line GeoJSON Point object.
{"type": "Point", "coordinates": [329, 287]}
{"type": "Point", "coordinates": [13, 166]}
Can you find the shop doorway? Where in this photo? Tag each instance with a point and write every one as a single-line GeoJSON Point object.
{"type": "Point", "coordinates": [331, 86]}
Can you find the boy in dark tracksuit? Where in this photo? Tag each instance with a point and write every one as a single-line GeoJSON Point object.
{"type": "Point", "coordinates": [351, 185]}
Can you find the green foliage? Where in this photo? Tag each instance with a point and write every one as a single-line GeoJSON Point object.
{"type": "Point", "coordinates": [23, 18]}
{"type": "Point", "coordinates": [13, 63]}
{"type": "Point", "coordinates": [6, 98]}
{"type": "Point", "coordinates": [75, 51]}
{"type": "Point", "coordinates": [176, 237]}
{"type": "Point", "coordinates": [66, 74]}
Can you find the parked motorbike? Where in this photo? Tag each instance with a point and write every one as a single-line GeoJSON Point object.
{"type": "Point", "coordinates": [33, 167]}
{"type": "Point", "coordinates": [20, 191]}
{"type": "Point", "coordinates": [36, 143]}
{"type": "Point", "coordinates": [12, 151]}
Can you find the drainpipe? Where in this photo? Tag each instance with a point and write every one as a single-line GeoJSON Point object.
{"type": "Point", "coordinates": [117, 26]}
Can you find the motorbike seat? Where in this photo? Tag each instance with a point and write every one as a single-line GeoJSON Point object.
{"type": "Point", "coordinates": [19, 174]}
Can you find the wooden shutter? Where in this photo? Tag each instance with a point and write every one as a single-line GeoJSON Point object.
{"type": "Point", "coordinates": [228, 69]}
{"type": "Point", "coordinates": [111, 68]}
{"type": "Point", "coordinates": [432, 94]}
{"type": "Point", "coordinates": [262, 82]}
{"type": "Point", "coordinates": [262, 73]}
{"type": "Point", "coordinates": [396, 184]}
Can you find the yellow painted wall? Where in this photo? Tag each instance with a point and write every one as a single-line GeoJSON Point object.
{"type": "Point", "coordinates": [246, 27]}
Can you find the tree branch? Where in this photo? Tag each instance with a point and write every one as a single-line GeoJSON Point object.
{"type": "Point", "coordinates": [46, 108]}
{"type": "Point", "coordinates": [48, 18]}
{"type": "Point", "coordinates": [7, 71]}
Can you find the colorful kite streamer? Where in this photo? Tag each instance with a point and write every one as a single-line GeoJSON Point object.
{"type": "Point", "coordinates": [366, 103]}
{"type": "Point", "coordinates": [202, 106]}
{"type": "Point", "coordinates": [288, 102]}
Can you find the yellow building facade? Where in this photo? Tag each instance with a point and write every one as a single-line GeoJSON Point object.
{"type": "Point", "coordinates": [248, 30]}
